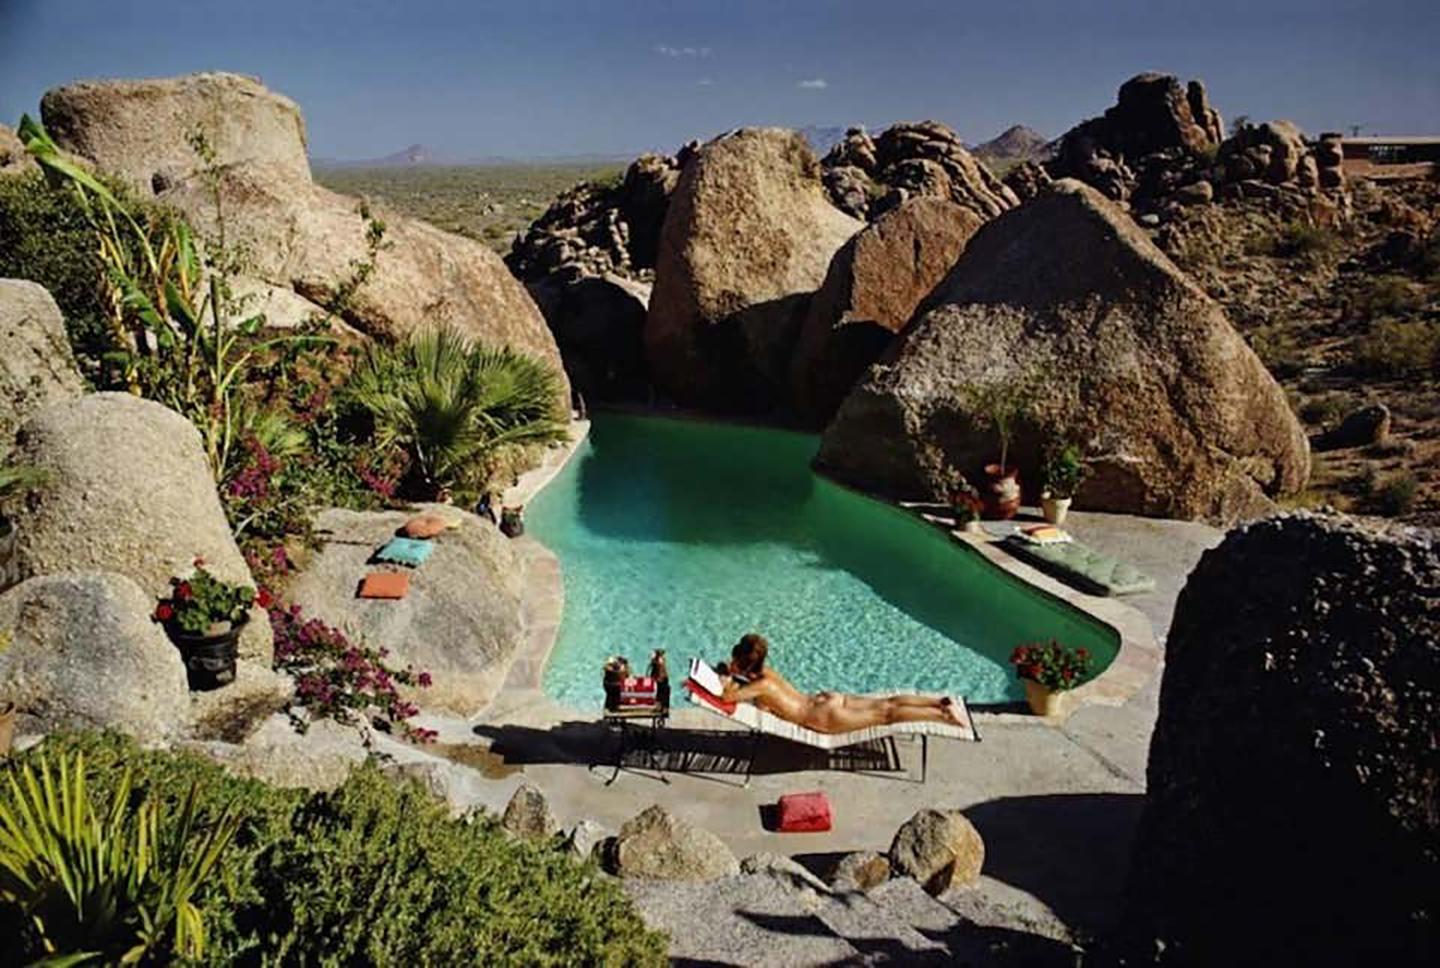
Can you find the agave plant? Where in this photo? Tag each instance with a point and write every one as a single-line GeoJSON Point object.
{"type": "Point", "coordinates": [448, 403]}
{"type": "Point", "coordinates": [103, 886]}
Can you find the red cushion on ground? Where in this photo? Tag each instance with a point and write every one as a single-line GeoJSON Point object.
{"type": "Point", "coordinates": [805, 813]}
{"type": "Point", "coordinates": [709, 698]}
{"type": "Point", "coordinates": [424, 526]}
{"type": "Point", "coordinates": [385, 584]}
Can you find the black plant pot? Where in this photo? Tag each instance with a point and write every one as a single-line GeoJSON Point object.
{"type": "Point", "coordinates": [209, 659]}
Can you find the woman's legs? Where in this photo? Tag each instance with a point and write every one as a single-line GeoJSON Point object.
{"type": "Point", "coordinates": [842, 714]}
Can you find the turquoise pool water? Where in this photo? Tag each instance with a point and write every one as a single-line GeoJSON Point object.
{"type": "Point", "coordinates": [684, 535]}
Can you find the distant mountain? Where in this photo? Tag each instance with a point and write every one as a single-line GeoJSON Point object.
{"type": "Point", "coordinates": [1017, 143]}
{"type": "Point", "coordinates": [417, 156]}
{"type": "Point", "coordinates": [413, 155]}
{"type": "Point", "coordinates": [822, 139]}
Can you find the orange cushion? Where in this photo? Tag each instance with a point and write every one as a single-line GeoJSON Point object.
{"type": "Point", "coordinates": [424, 526]}
{"type": "Point", "coordinates": [385, 584]}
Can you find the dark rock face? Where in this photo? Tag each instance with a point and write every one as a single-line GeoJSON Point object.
{"type": "Point", "coordinates": [599, 324]}
{"type": "Point", "coordinates": [1176, 415]}
{"type": "Point", "coordinates": [1291, 814]}
{"type": "Point", "coordinates": [1368, 425]}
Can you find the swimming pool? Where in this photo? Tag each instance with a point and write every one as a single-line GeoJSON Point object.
{"type": "Point", "coordinates": [684, 535]}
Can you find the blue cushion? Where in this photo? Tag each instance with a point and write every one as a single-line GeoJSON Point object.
{"type": "Point", "coordinates": [406, 551]}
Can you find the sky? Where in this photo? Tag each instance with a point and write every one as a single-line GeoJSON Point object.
{"type": "Point", "coordinates": [543, 78]}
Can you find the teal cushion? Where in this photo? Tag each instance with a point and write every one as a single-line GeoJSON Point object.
{"type": "Point", "coordinates": [406, 551]}
{"type": "Point", "coordinates": [1083, 567]}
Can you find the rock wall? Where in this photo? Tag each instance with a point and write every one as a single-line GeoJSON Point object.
{"type": "Point", "coordinates": [1176, 416]}
{"type": "Point", "coordinates": [1290, 813]}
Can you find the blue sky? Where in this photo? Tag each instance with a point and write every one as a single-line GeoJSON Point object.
{"type": "Point", "coordinates": [544, 77]}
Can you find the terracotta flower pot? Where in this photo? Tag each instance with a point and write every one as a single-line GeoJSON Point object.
{"type": "Point", "coordinates": [1043, 701]}
{"type": "Point", "coordinates": [1055, 509]}
{"type": "Point", "coordinates": [1001, 492]}
{"type": "Point", "coordinates": [7, 728]}
{"type": "Point", "coordinates": [209, 658]}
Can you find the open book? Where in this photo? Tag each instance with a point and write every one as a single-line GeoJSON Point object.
{"type": "Point", "coordinates": [706, 677]}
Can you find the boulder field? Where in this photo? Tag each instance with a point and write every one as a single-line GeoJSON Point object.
{"type": "Point", "coordinates": [1121, 351]}
{"type": "Point", "coordinates": [748, 237]}
{"type": "Point", "coordinates": [1290, 813]}
{"type": "Point", "coordinates": [303, 239]}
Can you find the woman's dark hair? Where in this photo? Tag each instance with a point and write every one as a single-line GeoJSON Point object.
{"type": "Point", "coordinates": [748, 656]}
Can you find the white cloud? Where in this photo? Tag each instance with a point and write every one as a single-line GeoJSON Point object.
{"type": "Point", "coordinates": [813, 84]}
{"type": "Point", "coordinates": [665, 50]}
{"type": "Point", "coordinates": [705, 82]}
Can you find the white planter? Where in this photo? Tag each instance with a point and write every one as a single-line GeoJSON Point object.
{"type": "Point", "coordinates": [1055, 509]}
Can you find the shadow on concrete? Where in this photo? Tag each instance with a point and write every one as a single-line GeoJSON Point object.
{"type": "Point", "coordinates": [1072, 851]}
{"type": "Point", "coordinates": [723, 752]}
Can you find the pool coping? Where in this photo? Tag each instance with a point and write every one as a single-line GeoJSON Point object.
{"type": "Point", "coordinates": [543, 596]}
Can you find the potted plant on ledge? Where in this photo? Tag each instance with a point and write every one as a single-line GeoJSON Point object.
{"type": "Point", "coordinates": [204, 617]}
{"type": "Point", "coordinates": [1001, 405]}
{"type": "Point", "coordinates": [1049, 670]}
{"type": "Point", "coordinates": [966, 505]}
{"type": "Point", "coordinates": [1062, 474]}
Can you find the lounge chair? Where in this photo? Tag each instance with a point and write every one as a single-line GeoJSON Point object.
{"type": "Point", "coordinates": [762, 723]}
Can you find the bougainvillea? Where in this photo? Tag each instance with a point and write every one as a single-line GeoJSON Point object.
{"type": "Point", "coordinates": [349, 682]}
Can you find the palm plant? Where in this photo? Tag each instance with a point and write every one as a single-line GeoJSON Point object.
{"type": "Point", "coordinates": [448, 403]}
{"type": "Point", "coordinates": [103, 886]}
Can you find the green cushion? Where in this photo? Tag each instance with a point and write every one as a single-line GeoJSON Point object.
{"type": "Point", "coordinates": [406, 551]}
{"type": "Point", "coordinates": [1083, 567]}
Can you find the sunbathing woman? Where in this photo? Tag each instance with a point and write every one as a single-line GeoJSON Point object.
{"type": "Point", "coordinates": [825, 712]}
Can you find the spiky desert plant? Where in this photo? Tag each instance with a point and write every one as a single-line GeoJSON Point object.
{"type": "Point", "coordinates": [448, 403]}
{"type": "Point", "coordinates": [103, 886]}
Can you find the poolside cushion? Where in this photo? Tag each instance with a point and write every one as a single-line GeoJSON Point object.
{"type": "Point", "coordinates": [424, 526]}
{"type": "Point", "coordinates": [702, 695]}
{"type": "Point", "coordinates": [385, 584]}
{"type": "Point", "coordinates": [804, 813]}
{"type": "Point", "coordinates": [1083, 567]}
{"type": "Point", "coordinates": [405, 551]}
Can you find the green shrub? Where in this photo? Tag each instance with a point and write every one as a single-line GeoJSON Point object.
{"type": "Point", "coordinates": [1396, 494]}
{"type": "Point", "coordinates": [1279, 349]}
{"type": "Point", "coordinates": [1385, 295]}
{"type": "Point", "coordinates": [1296, 239]}
{"type": "Point", "coordinates": [1324, 410]}
{"type": "Point", "coordinates": [374, 873]}
{"type": "Point", "coordinates": [1397, 348]}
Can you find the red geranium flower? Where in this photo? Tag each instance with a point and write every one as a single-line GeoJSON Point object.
{"type": "Point", "coordinates": [182, 591]}
{"type": "Point", "coordinates": [164, 612]}
{"type": "Point", "coordinates": [264, 599]}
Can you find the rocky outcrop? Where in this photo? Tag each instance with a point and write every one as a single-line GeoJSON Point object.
{"type": "Point", "coordinates": [871, 290]}
{"type": "Point", "coordinates": [940, 849]}
{"type": "Point", "coordinates": [658, 845]}
{"type": "Point", "coordinates": [300, 236]}
{"type": "Point", "coordinates": [747, 239]}
{"type": "Point", "coordinates": [528, 815]}
{"type": "Point", "coordinates": [13, 158]}
{"type": "Point", "coordinates": [1293, 770]}
{"type": "Point", "coordinates": [909, 159]}
{"type": "Point", "coordinates": [36, 365]}
{"type": "Point", "coordinates": [460, 621]}
{"type": "Point", "coordinates": [128, 491]}
{"type": "Point", "coordinates": [599, 324]}
{"type": "Point", "coordinates": [84, 654]}
{"type": "Point", "coordinates": [1175, 415]}
{"type": "Point", "coordinates": [1368, 425]}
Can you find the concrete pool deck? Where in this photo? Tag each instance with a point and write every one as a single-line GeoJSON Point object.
{"type": "Point", "coordinates": [1055, 803]}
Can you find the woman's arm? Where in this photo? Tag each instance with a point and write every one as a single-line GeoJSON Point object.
{"type": "Point", "coordinates": [749, 692]}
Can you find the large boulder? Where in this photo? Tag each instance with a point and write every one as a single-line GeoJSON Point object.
{"type": "Point", "coordinates": [658, 845]}
{"type": "Point", "coordinates": [299, 235]}
{"type": "Point", "coordinates": [84, 653]}
{"type": "Point", "coordinates": [528, 814]}
{"type": "Point", "coordinates": [14, 159]}
{"type": "Point", "coordinates": [939, 848]}
{"type": "Point", "coordinates": [460, 621]}
{"type": "Point", "coordinates": [128, 491]}
{"type": "Point", "coordinates": [1123, 353]}
{"type": "Point", "coordinates": [1290, 813]}
{"type": "Point", "coordinates": [872, 288]}
{"type": "Point", "coordinates": [748, 237]}
{"type": "Point", "coordinates": [36, 365]}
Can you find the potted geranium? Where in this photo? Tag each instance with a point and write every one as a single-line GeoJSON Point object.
{"type": "Point", "coordinates": [1048, 670]}
{"type": "Point", "coordinates": [204, 616]}
{"type": "Point", "coordinates": [967, 505]}
{"type": "Point", "coordinates": [1062, 474]}
{"type": "Point", "coordinates": [512, 521]}
{"type": "Point", "coordinates": [15, 480]}
{"type": "Point", "coordinates": [1000, 406]}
